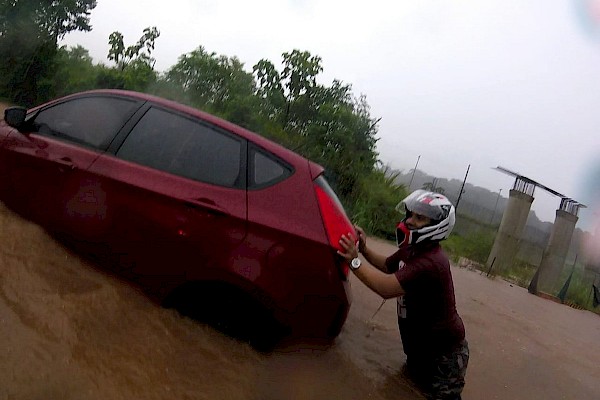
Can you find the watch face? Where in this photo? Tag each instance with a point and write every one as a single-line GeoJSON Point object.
{"type": "Point", "coordinates": [355, 263]}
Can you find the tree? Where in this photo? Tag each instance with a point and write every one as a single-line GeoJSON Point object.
{"type": "Point", "coordinates": [217, 84]}
{"type": "Point", "coordinates": [270, 89]}
{"type": "Point", "coordinates": [140, 52]}
{"type": "Point", "coordinates": [375, 208]}
{"type": "Point", "coordinates": [285, 93]}
{"type": "Point", "coordinates": [326, 124]}
{"type": "Point", "coordinates": [75, 71]}
{"type": "Point", "coordinates": [29, 34]}
{"type": "Point", "coordinates": [134, 65]}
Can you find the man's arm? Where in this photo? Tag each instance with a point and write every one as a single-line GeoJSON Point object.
{"type": "Point", "coordinates": [375, 259]}
{"type": "Point", "coordinates": [385, 285]}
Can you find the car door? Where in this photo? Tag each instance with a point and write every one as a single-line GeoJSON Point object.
{"type": "Point", "coordinates": [45, 170]}
{"type": "Point", "coordinates": [177, 197]}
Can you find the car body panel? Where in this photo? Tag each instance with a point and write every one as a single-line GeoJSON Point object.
{"type": "Point", "coordinates": [169, 224]}
{"type": "Point", "coordinates": [38, 172]}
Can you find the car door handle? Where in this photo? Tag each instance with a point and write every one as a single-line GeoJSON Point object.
{"type": "Point", "coordinates": [65, 163]}
{"type": "Point", "coordinates": [206, 205]}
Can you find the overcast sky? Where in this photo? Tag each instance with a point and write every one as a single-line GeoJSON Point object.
{"type": "Point", "coordinates": [514, 83]}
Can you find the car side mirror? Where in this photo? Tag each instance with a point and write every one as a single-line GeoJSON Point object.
{"type": "Point", "coordinates": [15, 116]}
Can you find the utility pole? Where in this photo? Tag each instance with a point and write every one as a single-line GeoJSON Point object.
{"type": "Point", "coordinates": [413, 174]}
{"type": "Point", "coordinates": [462, 187]}
{"type": "Point", "coordinates": [494, 213]}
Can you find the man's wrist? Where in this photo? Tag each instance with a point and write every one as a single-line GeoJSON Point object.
{"type": "Point", "coordinates": [363, 251]}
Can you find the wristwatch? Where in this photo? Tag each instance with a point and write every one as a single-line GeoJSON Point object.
{"type": "Point", "coordinates": [355, 264]}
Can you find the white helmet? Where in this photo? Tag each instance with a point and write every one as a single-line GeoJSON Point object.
{"type": "Point", "coordinates": [435, 206]}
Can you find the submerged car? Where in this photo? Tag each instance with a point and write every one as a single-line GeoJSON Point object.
{"type": "Point", "coordinates": [202, 214]}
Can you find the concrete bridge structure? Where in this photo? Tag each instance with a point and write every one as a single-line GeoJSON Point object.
{"type": "Point", "coordinates": [506, 245]}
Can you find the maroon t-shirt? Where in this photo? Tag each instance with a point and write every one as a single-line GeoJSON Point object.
{"type": "Point", "coordinates": [429, 323]}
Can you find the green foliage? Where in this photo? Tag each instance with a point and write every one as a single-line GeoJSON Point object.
{"type": "Point", "coordinates": [270, 90]}
{"type": "Point", "coordinates": [300, 70]}
{"type": "Point", "coordinates": [216, 84]}
{"type": "Point", "coordinates": [109, 78]}
{"type": "Point", "coordinates": [29, 33]}
{"type": "Point", "coordinates": [75, 71]}
{"type": "Point", "coordinates": [138, 75]}
{"type": "Point", "coordinates": [139, 53]}
{"type": "Point", "coordinates": [325, 124]}
{"type": "Point", "coordinates": [475, 246]}
{"type": "Point", "coordinates": [376, 198]}
{"type": "Point", "coordinates": [580, 291]}
{"type": "Point", "coordinates": [134, 64]}
{"type": "Point", "coordinates": [49, 19]}
{"type": "Point", "coordinates": [519, 273]}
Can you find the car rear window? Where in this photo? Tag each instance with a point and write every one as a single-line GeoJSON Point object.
{"type": "Point", "coordinates": [266, 169]}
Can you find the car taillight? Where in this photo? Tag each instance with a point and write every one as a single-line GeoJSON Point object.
{"type": "Point", "coordinates": [334, 218]}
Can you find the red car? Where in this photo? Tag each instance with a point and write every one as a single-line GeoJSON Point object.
{"type": "Point", "coordinates": [202, 214]}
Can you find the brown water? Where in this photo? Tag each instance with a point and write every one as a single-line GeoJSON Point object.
{"type": "Point", "coordinates": [71, 331]}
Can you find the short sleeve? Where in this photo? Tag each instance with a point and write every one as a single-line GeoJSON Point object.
{"type": "Point", "coordinates": [392, 263]}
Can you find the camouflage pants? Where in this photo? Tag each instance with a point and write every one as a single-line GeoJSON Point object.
{"type": "Point", "coordinates": [444, 377]}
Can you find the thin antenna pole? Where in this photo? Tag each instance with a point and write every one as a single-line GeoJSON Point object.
{"type": "Point", "coordinates": [413, 174]}
{"type": "Point", "coordinates": [462, 187]}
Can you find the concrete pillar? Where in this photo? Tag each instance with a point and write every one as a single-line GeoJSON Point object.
{"type": "Point", "coordinates": [553, 260]}
{"type": "Point", "coordinates": [506, 244]}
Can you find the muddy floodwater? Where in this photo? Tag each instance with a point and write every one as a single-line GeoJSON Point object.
{"type": "Point", "coordinates": [69, 330]}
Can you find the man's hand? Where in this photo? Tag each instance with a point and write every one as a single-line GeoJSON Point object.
{"type": "Point", "coordinates": [362, 238]}
{"type": "Point", "coordinates": [385, 285]}
{"type": "Point", "coordinates": [349, 245]}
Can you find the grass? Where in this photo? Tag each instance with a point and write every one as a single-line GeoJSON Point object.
{"type": "Point", "coordinates": [475, 246]}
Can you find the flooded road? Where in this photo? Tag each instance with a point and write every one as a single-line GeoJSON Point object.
{"type": "Point", "coordinates": [71, 331]}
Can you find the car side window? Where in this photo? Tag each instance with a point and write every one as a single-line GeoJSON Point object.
{"type": "Point", "coordinates": [92, 121]}
{"type": "Point", "coordinates": [266, 169]}
{"type": "Point", "coordinates": [184, 147]}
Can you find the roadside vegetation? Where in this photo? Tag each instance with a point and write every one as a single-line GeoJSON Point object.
{"type": "Point", "coordinates": [328, 124]}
